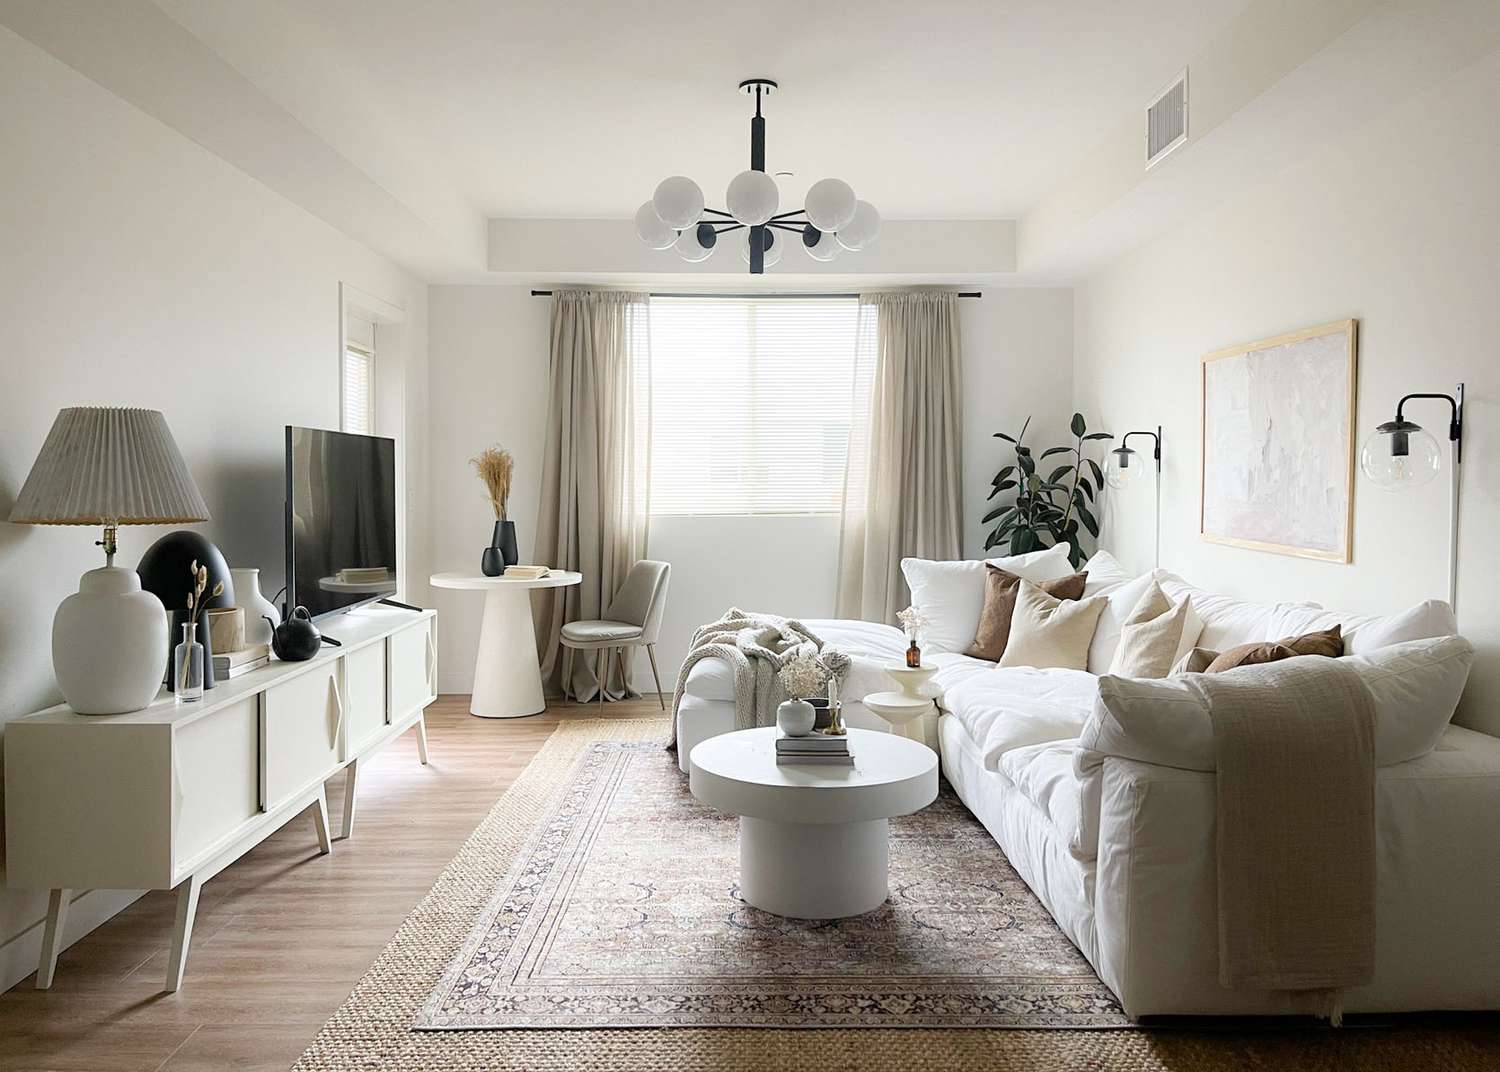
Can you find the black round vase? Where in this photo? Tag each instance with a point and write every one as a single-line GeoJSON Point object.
{"type": "Point", "coordinates": [502, 550]}
{"type": "Point", "coordinates": [165, 571]}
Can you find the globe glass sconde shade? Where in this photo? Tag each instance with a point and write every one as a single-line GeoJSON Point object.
{"type": "Point", "coordinates": [678, 202]}
{"type": "Point", "coordinates": [826, 248]}
{"type": "Point", "coordinates": [1123, 468]}
{"type": "Point", "coordinates": [772, 252]}
{"type": "Point", "coordinates": [650, 228]}
{"type": "Point", "coordinates": [691, 245]}
{"type": "Point", "coordinates": [752, 198]}
{"type": "Point", "coordinates": [862, 230]}
{"type": "Point", "coordinates": [830, 204]}
{"type": "Point", "coordinates": [1400, 454]}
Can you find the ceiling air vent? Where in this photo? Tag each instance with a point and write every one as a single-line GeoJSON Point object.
{"type": "Point", "coordinates": [1167, 120]}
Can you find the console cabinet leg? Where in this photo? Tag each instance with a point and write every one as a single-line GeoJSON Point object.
{"type": "Point", "coordinates": [320, 822]}
{"type": "Point", "coordinates": [182, 932]}
{"type": "Point", "coordinates": [351, 781]}
{"type": "Point", "coordinates": [422, 738]}
{"type": "Point", "coordinates": [52, 937]}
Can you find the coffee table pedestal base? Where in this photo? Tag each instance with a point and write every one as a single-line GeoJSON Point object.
{"type": "Point", "coordinates": [814, 870]}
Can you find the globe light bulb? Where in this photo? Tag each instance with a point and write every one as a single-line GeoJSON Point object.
{"type": "Point", "coordinates": [830, 204]}
{"type": "Point", "coordinates": [1400, 454]}
{"type": "Point", "coordinates": [772, 253]}
{"type": "Point", "coordinates": [1123, 467]}
{"type": "Point", "coordinates": [678, 201]}
{"type": "Point", "coordinates": [691, 246]}
{"type": "Point", "coordinates": [752, 198]}
{"type": "Point", "coordinates": [826, 248]}
{"type": "Point", "coordinates": [650, 229]}
{"type": "Point", "coordinates": [861, 230]}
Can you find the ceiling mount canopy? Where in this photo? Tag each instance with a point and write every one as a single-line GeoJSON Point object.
{"type": "Point", "coordinates": [831, 220]}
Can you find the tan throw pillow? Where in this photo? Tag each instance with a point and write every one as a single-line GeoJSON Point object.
{"type": "Point", "coordinates": [1000, 603]}
{"type": "Point", "coordinates": [1327, 642]}
{"type": "Point", "coordinates": [1049, 632]}
{"type": "Point", "coordinates": [1151, 636]}
{"type": "Point", "coordinates": [1194, 661]}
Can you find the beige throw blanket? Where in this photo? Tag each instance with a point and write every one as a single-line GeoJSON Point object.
{"type": "Point", "coordinates": [1296, 828]}
{"type": "Point", "coordinates": [755, 646]}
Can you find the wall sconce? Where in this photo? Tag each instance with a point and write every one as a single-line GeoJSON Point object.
{"type": "Point", "coordinates": [1125, 468]}
{"type": "Point", "coordinates": [1401, 454]}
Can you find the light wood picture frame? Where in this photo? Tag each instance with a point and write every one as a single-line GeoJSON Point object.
{"type": "Point", "coordinates": [1277, 461]}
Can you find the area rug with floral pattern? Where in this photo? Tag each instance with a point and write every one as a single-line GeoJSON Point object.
{"type": "Point", "coordinates": [622, 910]}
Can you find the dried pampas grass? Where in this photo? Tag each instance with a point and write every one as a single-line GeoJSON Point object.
{"type": "Point", "coordinates": [495, 467]}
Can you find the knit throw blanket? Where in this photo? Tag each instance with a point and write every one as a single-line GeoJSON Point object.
{"type": "Point", "coordinates": [1296, 828]}
{"type": "Point", "coordinates": [755, 646]}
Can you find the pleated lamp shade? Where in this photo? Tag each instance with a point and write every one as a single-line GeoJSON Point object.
{"type": "Point", "coordinates": [109, 466]}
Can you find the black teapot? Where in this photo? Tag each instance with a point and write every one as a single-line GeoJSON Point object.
{"type": "Point", "coordinates": [296, 639]}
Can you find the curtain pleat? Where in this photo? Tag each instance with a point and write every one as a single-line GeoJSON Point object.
{"type": "Point", "coordinates": [903, 494]}
{"type": "Point", "coordinates": [594, 505]}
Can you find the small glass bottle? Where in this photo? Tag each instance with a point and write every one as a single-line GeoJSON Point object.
{"type": "Point", "coordinates": [913, 653]}
{"type": "Point", "coordinates": [187, 667]}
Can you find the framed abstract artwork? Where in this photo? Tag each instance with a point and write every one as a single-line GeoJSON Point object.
{"type": "Point", "coordinates": [1278, 444]}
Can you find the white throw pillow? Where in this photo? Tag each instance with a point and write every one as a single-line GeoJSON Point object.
{"type": "Point", "coordinates": [1155, 635]}
{"type": "Point", "coordinates": [1366, 632]}
{"type": "Point", "coordinates": [1415, 686]}
{"type": "Point", "coordinates": [1228, 621]}
{"type": "Point", "coordinates": [1105, 573]}
{"type": "Point", "coordinates": [1119, 602]}
{"type": "Point", "coordinates": [951, 594]}
{"type": "Point", "coordinates": [1048, 632]}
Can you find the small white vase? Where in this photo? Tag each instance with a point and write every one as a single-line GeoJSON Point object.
{"type": "Point", "coordinates": [796, 718]}
{"type": "Point", "coordinates": [109, 643]}
{"type": "Point", "coordinates": [257, 607]}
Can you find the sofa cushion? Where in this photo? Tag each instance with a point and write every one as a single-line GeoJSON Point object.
{"type": "Point", "coordinates": [1051, 632]}
{"type": "Point", "coordinates": [1157, 633]}
{"type": "Point", "coordinates": [1227, 621]}
{"type": "Point", "coordinates": [1044, 775]}
{"type": "Point", "coordinates": [1011, 707]}
{"type": "Point", "coordinates": [1415, 686]}
{"type": "Point", "coordinates": [1000, 590]}
{"type": "Point", "coordinates": [951, 594]}
{"type": "Point", "coordinates": [1105, 573]}
{"type": "Point", "coordinates": [1364, 633]}
{"type": "Point", "coordinates": [1326, 642]}
{"type": "Point", "coordinates": [1119, 601]}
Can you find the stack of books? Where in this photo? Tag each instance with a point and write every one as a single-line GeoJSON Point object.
{"type": "Point", "coordinates": [233, 664]}
{"type": "Point", "coordinates": [816, 747]}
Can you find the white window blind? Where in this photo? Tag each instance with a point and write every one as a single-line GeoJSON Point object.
{"type": "Point", "coordinates": [750, 403]}
{"type": "Point", "coordinates": [357, 378]}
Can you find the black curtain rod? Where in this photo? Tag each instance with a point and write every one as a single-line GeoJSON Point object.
{"type": "Point", "coordinates": [673, 294]}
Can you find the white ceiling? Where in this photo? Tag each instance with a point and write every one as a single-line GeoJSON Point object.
{"type": "Point", "coordinates": [938, 110]}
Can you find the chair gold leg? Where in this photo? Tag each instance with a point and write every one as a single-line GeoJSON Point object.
{"type": "Point", "coordinates": [660, 698]}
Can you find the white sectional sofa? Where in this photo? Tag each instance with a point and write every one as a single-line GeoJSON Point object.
{"type": "Point", "coordinates": [1113, 827]}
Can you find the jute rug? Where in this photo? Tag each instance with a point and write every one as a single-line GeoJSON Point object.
{"type": "Point", "coordinates": [374, 1029]}
{"type": "Point", "coordinates": [623, 910]}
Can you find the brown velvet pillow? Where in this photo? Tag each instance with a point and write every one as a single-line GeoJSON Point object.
{"type": "Point", "coordinates": [1327, 642]}
{"type": "Point", "coordinates": [1000, 590]}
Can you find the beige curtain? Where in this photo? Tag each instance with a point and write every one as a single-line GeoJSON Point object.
{"type": "Point", "coordinates": [903, 489]}
{"type": "Point", "coordinates": [594, 476]}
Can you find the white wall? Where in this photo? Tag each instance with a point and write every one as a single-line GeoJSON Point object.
{"type": "Point", "coordinates": [489, 385]}
{"type": "Point", "coordinates": [1394, 224]}
{"type": "Point", "coordinates": [141, 270]}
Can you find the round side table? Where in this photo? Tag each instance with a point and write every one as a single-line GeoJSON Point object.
{"type": "Point", "coordinates": [507, 677]}
{"type": "Point", "coordinates": [905, 709]}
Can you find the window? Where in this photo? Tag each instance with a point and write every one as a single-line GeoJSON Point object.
{"type": "Point", "coordinates": [357, 378]}
{"type": "Point", "coordinates": [750, 402]}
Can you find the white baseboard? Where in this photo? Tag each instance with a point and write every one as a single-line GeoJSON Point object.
{"type": "Point", "coordinates": [19, 954]}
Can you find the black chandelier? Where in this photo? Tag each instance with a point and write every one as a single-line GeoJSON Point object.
{"type": "Point", "coordinates": [831, 220]}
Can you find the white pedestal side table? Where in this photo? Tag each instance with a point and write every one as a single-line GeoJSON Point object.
{"type": "Point", "coordinates": [507, 678]}
{"type": "Point", "coordinates": [814, 839]}
{"type": "Point", "coordinates": [906, 710]}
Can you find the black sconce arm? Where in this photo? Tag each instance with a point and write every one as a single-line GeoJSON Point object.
{"type": "Point", "coordinates": [1155, 444]}
{"type": "Point", "coordinates": [1455, 420]}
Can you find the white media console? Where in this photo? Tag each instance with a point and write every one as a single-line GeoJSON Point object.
{"type": "Point", "coordinates": [167, 797]}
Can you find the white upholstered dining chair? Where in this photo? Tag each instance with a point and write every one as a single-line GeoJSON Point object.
{"type": "Point", "coordinates": [632, 620]}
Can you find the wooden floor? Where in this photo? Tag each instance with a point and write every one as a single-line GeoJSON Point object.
{"type": "Point", "coordinates": [284, 934]}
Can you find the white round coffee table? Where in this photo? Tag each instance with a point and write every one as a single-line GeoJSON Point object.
{"type": "Point", "coordinates": [814, 839]}
{"type": "Point", "coordinates": [507, 678]}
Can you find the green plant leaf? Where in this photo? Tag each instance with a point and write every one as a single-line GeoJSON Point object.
{"type": "Point", "coordinates": [1098, 435]}
{"type": "Point", "coordinates": [1078, 426]}
{"type": "Point", "coordinates": [1027, 465]}
{"type": "Point", "coordinates": [1023, 430]}
{"type": "Point", "coordinates": [1089, 522]}
{"type": "Point", "coordinates": [998, 513]}
{"type": "Point", "coordinates": [1060, 472]}
{"type": "Point", "coordinates": [1088, 489]}
{"type": "Point", "coordinates": [1098, 473]}
{"type": "Point", "coordinates": [1056, 450]}
{"type": "Point", "coordinates": [1002, 435]}
{"type": "Point", "coordinates": [1023, 450]}
{"type": "Point", "coordinates": [1004, 472]}
{"type": "Point", "coordinates": [1023, 541]}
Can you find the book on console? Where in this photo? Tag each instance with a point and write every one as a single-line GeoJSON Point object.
{"type": "Point", "coordinates": [826, 759]}
{"type": "Point", "coordinates": [224, 661]}
{"type": "Point", "coordinates": [812, 742]}
{"type": "Point", "coordinates": [527, 573]}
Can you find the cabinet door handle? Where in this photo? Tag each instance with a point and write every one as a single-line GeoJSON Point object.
{"type": "Point", "coordinates": [431, 664]}
{"type": "Point", "coordinates": [338, 701]}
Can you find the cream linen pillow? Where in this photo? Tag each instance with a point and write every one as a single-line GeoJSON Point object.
{"type": "Point", "coordinates": [1157, 633]}
{"type": "Point", "coordinates": [1047, 632]}
{"type": "Point", "coordinates": [951, 594]}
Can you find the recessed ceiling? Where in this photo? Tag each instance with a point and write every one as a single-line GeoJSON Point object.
{"type": "Point", "coordinates": [940, 110]}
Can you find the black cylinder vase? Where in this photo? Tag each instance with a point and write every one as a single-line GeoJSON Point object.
{"type": "Point", "coordinates": [502, 550]}
{"type": "Point", "coordinates": [166, 572]}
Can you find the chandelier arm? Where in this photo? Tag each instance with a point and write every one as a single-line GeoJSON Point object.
{"type": "Point", "coordinates": [795, 228]}
{"type": "Point", "coordinates": [790, 214]}
{"type": "Point", "coordinates": [725, 228]}
{"type": "Point", "coordinates": [718, 212]}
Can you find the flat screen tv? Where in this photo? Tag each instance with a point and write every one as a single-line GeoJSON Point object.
{"type": "Point", "coordinates": [340, 519]}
